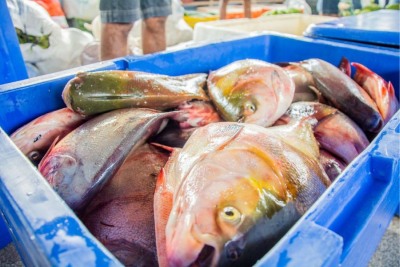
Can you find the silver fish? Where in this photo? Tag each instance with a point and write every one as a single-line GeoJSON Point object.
{"type": "Point", "coordinates": [82, 162]}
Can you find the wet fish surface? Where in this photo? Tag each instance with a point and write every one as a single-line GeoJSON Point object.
{"type": "Point", "coordinates": [37, 136]}
{"type": "Point", "coordinates": [80, 164]}
{"type": "Point", "coordinates": [236, 188]}
{"type": "Point", "coordinates": [97, 92]}
{"type": "Point", "coordinates": [121, 215]}
{"type": "Point", "coordinates": [251, 91]}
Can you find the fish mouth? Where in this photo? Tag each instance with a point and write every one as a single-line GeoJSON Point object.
{"type": "Point", "coordinates": [205, 258]}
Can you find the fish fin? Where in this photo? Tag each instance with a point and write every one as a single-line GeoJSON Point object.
{"type": "Point", "coordinates": [393, 102]}
{"type": "Point", "coordinates": [163, 199]}
{"type": "Point", "coordinates": [48, 150]}
{"type": "Point", "coordinates": [319, 97]}
{"type": "Point", "coordinates": [345, 66]}
{"type": "Point", "coordinates": [164, 147]}
{"type": "Point", "coordinates": [392, 94]}
{"type": "Point", "coordinates": [390, 89]}
{"type": "Point", "coordinates": [299, 134]}
{"type": "Point", "coordinates": [361, 68]}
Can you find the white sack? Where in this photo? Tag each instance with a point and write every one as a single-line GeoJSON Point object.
{"type": "Point", "coordinates": [81, 9]}
{"type": "Point", "coordinates": [61, 48]}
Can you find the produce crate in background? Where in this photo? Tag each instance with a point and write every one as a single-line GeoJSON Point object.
{"type": "Point", "coordinates": [194, 17]}
{"type": "Point", "coordinates": [221, 30]}
{"type": "Point", "coordinates": [235, 11]}
{"type": "Point", "coordinates": [381, 28]}
{"type": "Point", "coordinates": [343, 227]}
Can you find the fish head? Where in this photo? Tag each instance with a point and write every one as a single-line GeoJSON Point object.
{"type": "Point", "coordinates": [30, 144]}
{"type": "Point", "coordinates": [59, 170]}
{"type": "Point", "coordinates": [209, 217]}
{"type": "Point", "coordinates": [251, 91]}
{"type": "Point", "coordinates": [199, 232]}
{"type": "Point", "coordinates": [36, 137]}
{"type": "Point", "coordinates": [32, 139]}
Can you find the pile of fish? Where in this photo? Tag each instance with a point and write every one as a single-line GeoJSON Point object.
{"type": "Point", "coordinates": [204, 169]}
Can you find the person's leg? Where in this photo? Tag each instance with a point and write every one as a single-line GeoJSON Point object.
{"type": "Point", "coordinates": [114, 40]}
{"type": "Point", "coordinates": [154, 13]}
{"type": "Point", "coordinates": [117, 19]}
{"type": "Point", "coordinates": [223, 5]}
{"type": "Point", "coordinates": [313, 5]}
{"type": "Point", "coordinates": [153, 35]}
{"type": "Point", "coordinates": [247, 8]}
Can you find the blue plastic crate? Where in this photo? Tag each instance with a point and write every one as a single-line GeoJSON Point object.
{"type": "Point", "coordinates": [13, 113]}
{"type": "Point", "coordinates": [381, 28]}
{"type": "Point", "coordinates": [344, 227]}
{"type": "Point", "coordinates": [12, 65]}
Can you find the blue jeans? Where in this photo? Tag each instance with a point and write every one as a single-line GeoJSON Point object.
{"type": "Point", "coordinates": [128, 11]}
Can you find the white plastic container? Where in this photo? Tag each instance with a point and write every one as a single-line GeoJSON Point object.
{"type": "Point", "coordinates": [222, 30]}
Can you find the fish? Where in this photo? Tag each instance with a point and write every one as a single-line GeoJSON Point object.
{"type": "Point", "coordinates": [345, 66]}
{"type": "Point", "coordinates": [37, 136]}
{"type": "Point", "coordinates": [341, 137]}
{"type": "Point", "coordinates": [335, 132]}
{"type": "Point", "coordinates": [92, 93]}
{"type": "Point", "coordinates": [233, 190]}
{"type": "Point", "coordinates": [343, 93]}
{"type": "Point", "coordinates": [303, 81]}
{"type": "Point", "coordinates": [192, 115]}
{"type": "Point", "coordinates": [196, 114]}
{"type": "Point", "coordinates": [121, 215]}
{"type": "Point", "coordinates": [332, 165]}
{"type": "Point", "coordinates": [172, 135]}
{"type": "Point", "coordinates": [250, 91]}
{"type": "Point", "coordinates": [80, 164]}
{"type": "Point", "coordinates": [380, 91]}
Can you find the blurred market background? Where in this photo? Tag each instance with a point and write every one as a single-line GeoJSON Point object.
{"type": "Point", "coordinates": [59, 35]}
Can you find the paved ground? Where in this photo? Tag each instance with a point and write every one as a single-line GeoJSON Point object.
{"type": "Point", "coordinates": [387, 254]}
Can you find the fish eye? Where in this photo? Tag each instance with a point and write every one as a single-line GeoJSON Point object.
{"type": "Point", "coordinates": [34, 155]}
{"type": "Point", "coordinates": [231, 215]}
{"type": "Point", "coordinates": [249, 108]}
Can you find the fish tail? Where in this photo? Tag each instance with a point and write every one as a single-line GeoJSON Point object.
{"type": "Point", "coordinates": [393, 102]}
{"type": "Point", "coordinates": [345, 66]}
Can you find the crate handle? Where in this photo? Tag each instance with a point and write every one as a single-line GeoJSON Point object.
{"type": "Point", "coordinates": [361, 208]}
{"type": "Point", "coordinates": [308, 245]}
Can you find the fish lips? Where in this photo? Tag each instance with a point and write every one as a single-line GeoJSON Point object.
{"type": "Point", "coordinates": [190, 246]}
{"type": "Point", "coordinates": [200, 253]}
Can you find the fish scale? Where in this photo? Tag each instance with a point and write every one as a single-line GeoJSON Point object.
{"type": "Point", "coordinates": [236, 188]}
{"type": "Point", "coordinates": [121, 214]}
{"type": "Point", "coordinates": [82, 162]}
{"type": "Point", "coordinates": [92, 93]}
